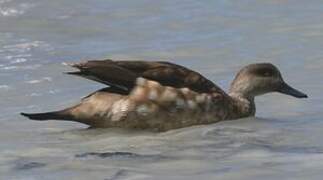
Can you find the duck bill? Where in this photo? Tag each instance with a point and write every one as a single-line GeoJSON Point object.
{"type": "Point", "coordinates": [286, 89]}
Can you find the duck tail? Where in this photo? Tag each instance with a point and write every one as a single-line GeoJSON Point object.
{"type": "Point", "coordinates": [54, 115]}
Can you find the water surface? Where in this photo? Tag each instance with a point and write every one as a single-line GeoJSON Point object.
{"type": "Point", "coordinates": [215, 38]}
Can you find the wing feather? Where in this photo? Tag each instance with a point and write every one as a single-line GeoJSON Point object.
{"type": "Point", "coordinates": [123, 74]}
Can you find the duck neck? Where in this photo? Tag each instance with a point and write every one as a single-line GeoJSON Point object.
{"type": "Point", "coordinates": [241, 105]}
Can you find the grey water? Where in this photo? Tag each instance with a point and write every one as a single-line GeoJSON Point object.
{"type": "Point", "coordinates": [216, 38]}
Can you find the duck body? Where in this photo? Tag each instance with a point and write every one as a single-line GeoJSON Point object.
{"type": "Point", "coordinates": [153, 106]}
{"type": "Point", "coordinates": [161, 96]}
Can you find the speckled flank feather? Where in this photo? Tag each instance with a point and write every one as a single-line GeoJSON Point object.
{"type": "Point", "coordinates": [151, 105]}
{"type": "Point", "coordinates": [148, 106]}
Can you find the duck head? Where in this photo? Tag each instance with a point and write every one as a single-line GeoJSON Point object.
{"type": "Point", "coordinates": [262, 78]}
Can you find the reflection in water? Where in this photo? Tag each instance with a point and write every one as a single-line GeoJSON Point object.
{"type": "Point", "coordinates": [119, 155]}
{"type": "Point", "coordinates": [29, 165]}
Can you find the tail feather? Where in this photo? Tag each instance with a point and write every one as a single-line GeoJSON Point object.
{"type": "Point", "coordinates": [55, 115]}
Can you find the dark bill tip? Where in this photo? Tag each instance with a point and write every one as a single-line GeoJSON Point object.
{"type": "Point", "coordinates": [286, 89]}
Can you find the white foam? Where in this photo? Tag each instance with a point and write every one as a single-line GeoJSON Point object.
{"type": "Point", "coordinates": [4, 87]}
{"type": "Point", "coordinates": [10, 57]}
{"type": "Point", "coordinates": [10, 67]}
{"type": "Point", "coordinates": [14, 11]}
{"type": "Point", "coordinates": [10, 12]}
{"type": "Point", "coordinates": [44, 79]}
{"type": "Point", "coordinates": [23, 47]}
{"type": "Point", "coordinates": [55, 91]}
{"type": "Point", "coordinates": [18, 60]}
{"type": "Point", "coordinates": [35, 94]}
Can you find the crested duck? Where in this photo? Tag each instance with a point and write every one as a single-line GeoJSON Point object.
{"type": "Point", "coordinates": [162, 95]}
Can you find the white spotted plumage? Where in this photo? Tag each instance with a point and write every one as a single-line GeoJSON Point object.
{"type": "Point", "coordinates": [120, 109]}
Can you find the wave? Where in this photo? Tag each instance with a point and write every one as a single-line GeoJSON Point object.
{"type": "Point", "coordinates": [18, 10]}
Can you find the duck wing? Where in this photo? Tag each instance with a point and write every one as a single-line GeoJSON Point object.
{"type": "Point", "coordinates": [106, 72]}
{"type": "Point", "coordinates": [123, 74]}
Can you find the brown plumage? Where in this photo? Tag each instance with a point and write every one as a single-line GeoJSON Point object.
{"type": "Point", "coordinates": [162, 95]}
{"type": "Point", "coordinates": [123, 74]}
